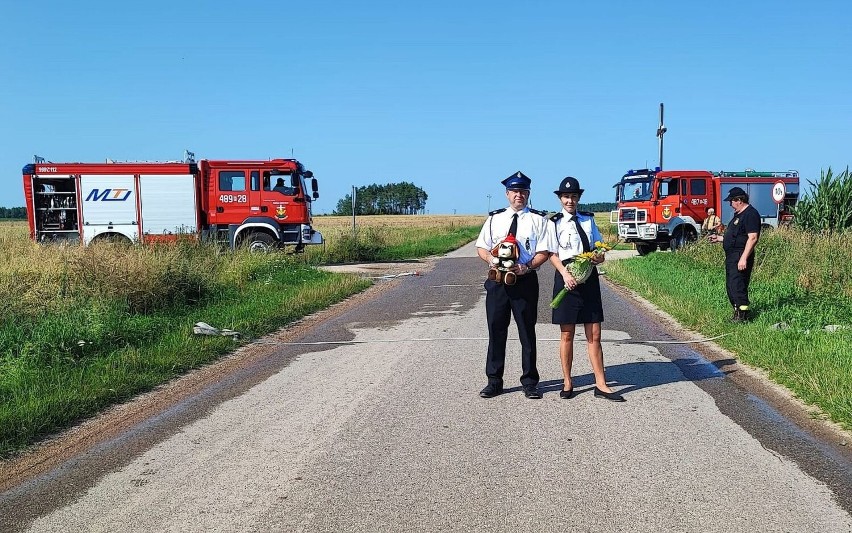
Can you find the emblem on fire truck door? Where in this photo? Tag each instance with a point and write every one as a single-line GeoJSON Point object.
{"type": "Point", "coordinates": [667, 212]}
{"type": "Point", "coordinates": [281, 212]}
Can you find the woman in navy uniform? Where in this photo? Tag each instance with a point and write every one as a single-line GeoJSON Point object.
{"type": "Point", "coordinates": [535, 243]}
{"type": "Point", "coordinates": [576, 232]}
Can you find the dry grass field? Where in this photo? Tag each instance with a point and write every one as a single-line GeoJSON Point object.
{"type": "Point", "coordinates": [12, 229]}
{"type": "Point", "coordinates": [336, 223]}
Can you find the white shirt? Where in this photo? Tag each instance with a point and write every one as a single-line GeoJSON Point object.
{"type": "Point", "coordinates": [568, 239]}
{"type": "Point", "coordinates": [533, 233]}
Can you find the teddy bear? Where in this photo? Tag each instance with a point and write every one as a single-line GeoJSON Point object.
{"type": "Point", "coordinates": [503, 257]}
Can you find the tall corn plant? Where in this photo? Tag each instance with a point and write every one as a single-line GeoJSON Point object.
{"type": "Point", "coordinates": [828, 208]}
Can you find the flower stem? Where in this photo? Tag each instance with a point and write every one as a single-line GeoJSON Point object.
{"type": "Point", "coordinates": [558, 298]}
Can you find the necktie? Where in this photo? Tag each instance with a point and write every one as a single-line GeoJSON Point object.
{"type": "Point", "coordinates": [513, 228]}
{"type": "Point", "coordinates": [583, 237]}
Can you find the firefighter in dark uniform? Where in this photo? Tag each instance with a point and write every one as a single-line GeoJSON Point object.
{"type": "Point", "coordinates": [535, 243]}
{"type": "Point", "coordinates": [739, 241]}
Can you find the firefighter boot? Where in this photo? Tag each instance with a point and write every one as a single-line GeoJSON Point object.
{"type": "Point", "coordinates": [741, 314]}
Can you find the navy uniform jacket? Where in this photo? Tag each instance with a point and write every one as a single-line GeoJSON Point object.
{"type": "Point", "coordinates": [736, 234]}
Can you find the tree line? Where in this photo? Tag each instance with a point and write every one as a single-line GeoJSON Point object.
{"type": "Point", "coordinates": [13, 212]}
{"type": "Point", "coordinates": [594, 207]}
{"type": "Point", "coordinates": [597, 207]}
{"type": "Point", "coordinates": [391, 199]}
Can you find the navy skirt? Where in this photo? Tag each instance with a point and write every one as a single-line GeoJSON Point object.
{"type": "Point", "coordinates": [582, 305]}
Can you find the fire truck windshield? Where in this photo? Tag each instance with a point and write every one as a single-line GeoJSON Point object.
{"type": "Point", "coordinates": [635, 190]}
{"type": "Point", "coordinates": [279, 182]}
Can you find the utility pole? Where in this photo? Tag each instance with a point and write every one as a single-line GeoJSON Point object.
{"type": "Point", "coordinates": [661, 130]}
{"type": "Point", "coordinates": [489, 202]}
{"type": "Point", "coordinates": [354, 232]}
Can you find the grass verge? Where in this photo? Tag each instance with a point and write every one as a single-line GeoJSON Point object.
{"type": "Point", "coordinates": [796, 291]}
{"type": "Point", "coordinates": [49, 379]}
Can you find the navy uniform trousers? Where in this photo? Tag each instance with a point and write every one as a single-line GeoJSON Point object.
{"type": "Point", "coordinates": [736, 281]}
{"type": "Point", "coordinates": [521, 301]}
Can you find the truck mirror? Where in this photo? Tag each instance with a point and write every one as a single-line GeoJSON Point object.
{"type": "Point", "coordinates": [308, 174]}
{"type": "Point", "coordinates": [314, 186]}
{"type": "Point", "coordinates": [316, 195]}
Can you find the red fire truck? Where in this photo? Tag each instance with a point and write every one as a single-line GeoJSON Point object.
{"type": "Point", "coordinates": [256, 204]}
{"type": "Point", "coordinates": [662, 209]}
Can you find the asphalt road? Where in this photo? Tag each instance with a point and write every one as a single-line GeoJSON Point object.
{"type": "Point", "coordinates": [381, 429]}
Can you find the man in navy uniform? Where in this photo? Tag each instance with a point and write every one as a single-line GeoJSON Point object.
{"type": "Point", "coordinates": [535, 242]}
{"type": "Point", "coordinates": [740, 238]}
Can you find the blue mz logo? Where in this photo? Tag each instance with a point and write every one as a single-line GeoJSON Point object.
{"type": "Point", "coordinates": [109, 195]}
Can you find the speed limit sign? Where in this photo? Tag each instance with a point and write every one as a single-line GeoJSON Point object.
{"type": "Point", "coordinates": [779, 190]}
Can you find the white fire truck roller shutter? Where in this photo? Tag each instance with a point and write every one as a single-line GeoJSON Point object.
{"type": "Point", "coordinates": [168, 204]}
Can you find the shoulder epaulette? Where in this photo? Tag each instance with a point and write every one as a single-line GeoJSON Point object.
{"type": "Point", "coordinates": [496, 211]}
{"type": "Point", "coordinates": [557, 216]}
{"type": "Point", "coordinates": [586, 213]}
{"type": "Point", "coordinates": [539, 213]}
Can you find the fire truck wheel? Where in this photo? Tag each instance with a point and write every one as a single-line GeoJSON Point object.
{"type": "Point", "coordinates": [258, 242]}
{"type": "Point", "coordinates": [112, 238]}
{"type": "Point", "coordinates": [681, 238]}
{"type": "Point", "coordinates": [644, 248]}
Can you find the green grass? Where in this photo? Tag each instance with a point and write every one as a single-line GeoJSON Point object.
{"type": "Point", "coordinates": [790, 285]}
{"type": "Point", "coordinates": [48, 380]}
{"type": "Point", "coordinates": [393, 244]}
{"type": "Point", "coordinates": [431, 244]}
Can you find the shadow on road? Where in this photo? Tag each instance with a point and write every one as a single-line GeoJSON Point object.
{"type": "Point", "coordinates": [630, 377]}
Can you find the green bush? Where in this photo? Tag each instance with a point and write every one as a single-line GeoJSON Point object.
{"type": "Point", "coordinates": [829, 206]}
{"type": "Point", "coordinates": [366, 245]}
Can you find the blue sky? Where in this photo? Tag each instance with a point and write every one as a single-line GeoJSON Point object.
{"type": "Point", "coordinates": [453, 96]}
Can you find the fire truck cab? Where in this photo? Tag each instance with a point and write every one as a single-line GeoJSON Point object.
{"type": "Point", "coordinates": [664, 209]}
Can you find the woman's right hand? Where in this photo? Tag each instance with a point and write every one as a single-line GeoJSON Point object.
{"type": "Point", "coordinates": [570, 282]}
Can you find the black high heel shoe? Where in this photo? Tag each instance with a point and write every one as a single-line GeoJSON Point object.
{"type": "Point", "coordinates": [611, 396]}
{"type": "Point", "coordinates": [567, 394]}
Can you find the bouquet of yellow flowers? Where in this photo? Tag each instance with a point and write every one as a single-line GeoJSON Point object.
{"type": "Point", "coordinates": [581, 268]}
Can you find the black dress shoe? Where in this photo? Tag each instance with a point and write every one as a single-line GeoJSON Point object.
{"type": "Point", "coordinates": [567, 394]}
{"type": "Point", "coordinates": [532, 392]}
{"type": "Point", "coordinates": [611, 396]}
{"type": "Point", "coordinates": [491, 390]}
